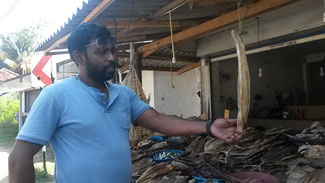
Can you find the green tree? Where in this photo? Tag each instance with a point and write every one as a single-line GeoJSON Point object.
{"type": "Point", "coordinates": [19, 46]}
{"type": "Point", "coordinates": [2, 57]}
{"type": "Point", "coordinates": [9, 106]}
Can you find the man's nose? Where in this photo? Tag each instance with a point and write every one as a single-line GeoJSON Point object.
{"type": "Point", "coordinates": [110, 56]}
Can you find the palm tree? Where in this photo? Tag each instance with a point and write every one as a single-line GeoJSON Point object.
{"type": "Point", "coordinates": [19, 47]}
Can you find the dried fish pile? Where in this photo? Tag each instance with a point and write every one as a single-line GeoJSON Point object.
{"type": "Point", "coordinates": [267, 151]}
{"type": "Point", "coordinates": [310, 167]}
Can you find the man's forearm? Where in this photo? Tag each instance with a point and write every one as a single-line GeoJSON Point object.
{"type": "Point", "coordinates": [173, 125]}
{"type": "Point", "coordinates": [21, 169]}
{"type": "Point", "coordinates": [222, 128]}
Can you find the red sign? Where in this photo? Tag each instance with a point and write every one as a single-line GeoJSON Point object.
{"type": "Point", "coordinates": [37, 71]}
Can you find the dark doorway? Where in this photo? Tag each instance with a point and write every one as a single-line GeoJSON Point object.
{"type": "Point", "coordinates": [317, 83]}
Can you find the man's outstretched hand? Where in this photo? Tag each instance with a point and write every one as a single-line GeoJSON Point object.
{"type": "Point", "coordinates": [225, 129]}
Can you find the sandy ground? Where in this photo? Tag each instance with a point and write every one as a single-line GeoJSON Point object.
{"type": "Point", "coordinates": [4, 153]}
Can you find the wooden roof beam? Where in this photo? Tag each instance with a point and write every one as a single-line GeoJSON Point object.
{"type": "Point", "coordinates": [174, 4]}
{"type": "Point", "coordinates": [158, 57]}
{"type": "Point", "coordinates": [169, 7]}
{"type": "Point", "coordinates": [153, 68]}
{"type": "Point", "coordinates": [132, 38]}
{"type": "Point", "coordinates": [251, 10]}
{"type": "Point", "coordinates": [91, 16]}
{"type": "Point", "coordinates": [136, 24]}
{"type": "Point", "coordinates": [210, 4]}
{"type": "Point", "coordinates": [124, 68]}
{"type": "Point", "coordinates": [189, 67]}
{"type": "Point", "coordinates": [149, 68]}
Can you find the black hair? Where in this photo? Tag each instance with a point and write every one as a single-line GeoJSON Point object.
{"type": "Point", "coordinates": [83, 34]}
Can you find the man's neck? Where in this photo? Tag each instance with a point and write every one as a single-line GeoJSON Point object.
{"type": "Point", "coordinates": [90, 82]}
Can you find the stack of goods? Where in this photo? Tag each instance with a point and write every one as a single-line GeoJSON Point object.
{"type": "Point", "coordinates": [132, 81]}
{"type": "Point", "coordinates": [261, 150]}
{"type": "Point", "coordinates": [310, 167]}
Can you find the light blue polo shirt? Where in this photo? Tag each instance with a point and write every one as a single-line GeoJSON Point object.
{"type": "Point", "coordinates": [89, 135]}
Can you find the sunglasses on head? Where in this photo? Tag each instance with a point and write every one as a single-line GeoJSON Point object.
{"type": "Point", "coordinates": [103, 42]}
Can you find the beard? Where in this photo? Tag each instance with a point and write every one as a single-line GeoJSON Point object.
{"type": "Point", "coordinates": [102, 74]}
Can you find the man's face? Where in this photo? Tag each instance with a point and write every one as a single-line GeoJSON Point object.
{"type": "Point", "coordinates": [100, 62]}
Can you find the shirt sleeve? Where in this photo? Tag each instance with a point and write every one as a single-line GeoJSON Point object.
{"type": "Point", "coordinates": [138, 107]}
{"type": "Point", "coordinates": [41, 121]}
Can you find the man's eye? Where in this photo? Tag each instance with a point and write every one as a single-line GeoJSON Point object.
{"type": "Point", "coordinates": [101, 52]}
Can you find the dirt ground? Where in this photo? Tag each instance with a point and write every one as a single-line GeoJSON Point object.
{"type": "Point", "coordinates": [4, 153]}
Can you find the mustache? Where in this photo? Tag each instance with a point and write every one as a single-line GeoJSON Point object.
{"type": "Point", "coordinates": [111, 64]}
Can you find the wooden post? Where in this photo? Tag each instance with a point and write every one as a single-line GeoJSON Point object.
{"type": "Point", "coordinates": [205, 88]}
{"type": "Point", "coordinates": [135, 58]}
{"type": "Point", "coordinates": [218, 108]}
{"type": "Point", "coordinates": [20, 113]}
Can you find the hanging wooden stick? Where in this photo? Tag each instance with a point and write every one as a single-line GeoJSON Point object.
{"type": "Point", "coordinates": [243, 84]}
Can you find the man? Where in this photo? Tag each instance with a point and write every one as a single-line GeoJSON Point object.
{"type": "Point", "coordinates": [87, 119]}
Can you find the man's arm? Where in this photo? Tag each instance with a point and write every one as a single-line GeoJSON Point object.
{"type": "Point", "coordinates": [171, 125]}
{"type": "Point", "coordinates": [21, 167]}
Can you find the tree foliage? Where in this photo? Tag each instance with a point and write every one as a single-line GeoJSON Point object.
{"type": "Point", "coordinates": [9, 106]}
{"type": "Point", "coordinates": [2, 57]}
{"type": "Point", "coordinates": [19, 46]}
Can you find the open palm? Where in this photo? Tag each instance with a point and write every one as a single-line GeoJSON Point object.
{"type": "Point", "coordinates": [225, 129]}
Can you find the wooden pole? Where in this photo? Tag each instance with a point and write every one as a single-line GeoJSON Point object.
{"type": "Point", "coordinates": [135, 58]}
{"type": "Point", "coordinates": [205, 88]}
{"type": "Point", "coordinates": [20, 113]}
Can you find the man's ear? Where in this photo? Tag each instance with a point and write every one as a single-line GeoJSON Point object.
{"type": "Point", "coordinates": [79, 57]}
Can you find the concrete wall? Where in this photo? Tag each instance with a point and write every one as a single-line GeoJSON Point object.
{"type": "Point", "coordinates": [148, 86]}
{"type": "Point", "coordinates": [16, 84]}
{"type": "Point", "coordinates": [67, 70]}
{"type": "Point", "coordinates": [289, 19]}
{"type": "Point", "coordinates": [280, 73]}
{"type": "Point", "coordinates": [30, 97]}
{"type": "Point", "coordinates": [182, 100]}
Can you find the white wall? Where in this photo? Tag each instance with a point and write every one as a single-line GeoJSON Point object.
{"type": "Point", "coordinates": [299, 16]}
{"type": "Point", "coordinates": [30, 97]}
{"type": "Point", "coordinates": [182, 100]}
{"type": "Point", "coordinates": [17, 84]}
{"type": "Point", "coordinates": [67, 70]}
{"type": "Point", "coordinates": [148, 86]}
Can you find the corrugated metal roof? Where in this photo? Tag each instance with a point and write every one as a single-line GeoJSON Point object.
{"type": "Point", "coordinates": [142, 10]}
{"type": "Point", "coordinates": [72, 22]}
{"type": "Point", "coordinates": [132, 10]}
{"type": "Point", "coordinates": [6, 74]}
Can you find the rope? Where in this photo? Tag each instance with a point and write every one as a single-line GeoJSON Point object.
{"type": "Point", "coordinates": [240, 18]}
{"type": "Point", "coordinates": [172, 36]}
{"type": "Point", "coordinates": [173, 49]}
{"type": "Point", "coordinates": [171, 75]}
{"type": "Point", "coordinates": [127, 34]}
{"type": "Point", "coordinates": [258, 31]}
{"type": "Point", "coordinates": [131, 59]}
{"type": "Point", "coordinates": [258, 35]}
{"type": "Point", "coordinates": [116, 61]}
{"type": "Point", "coordinates": [240, 25]}
{"type": "Point", "coordinates": [115, 24]}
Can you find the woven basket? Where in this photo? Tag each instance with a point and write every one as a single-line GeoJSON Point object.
{"type": "Point", "coordinates": [132, 81]}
